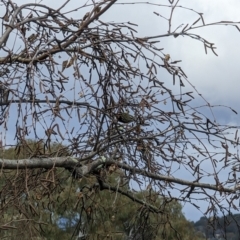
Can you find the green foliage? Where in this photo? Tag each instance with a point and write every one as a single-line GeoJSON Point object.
{"type": "Point", "coordinates": [30, 148]}
{"type": "Point", "coordinates": [33, 197]}
{"type": "Point", "coordinates": [54, 197]}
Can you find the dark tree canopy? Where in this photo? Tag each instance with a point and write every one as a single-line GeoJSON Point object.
{"type": "Point", "coordinates": [84, 99]}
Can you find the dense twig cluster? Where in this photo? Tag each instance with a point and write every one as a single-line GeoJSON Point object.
{"type": "Point", "coordinates": [71, 80]}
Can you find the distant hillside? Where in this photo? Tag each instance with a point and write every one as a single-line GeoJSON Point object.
{"type": "Point", "coordinates": [221, 228]}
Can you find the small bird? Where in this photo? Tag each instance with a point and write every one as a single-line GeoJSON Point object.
{"type": "Point", "coordinates": [32, 38]}
{"type": "Point", "coordinates": [125, 117]}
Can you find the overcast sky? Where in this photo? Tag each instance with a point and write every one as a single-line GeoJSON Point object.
{"type": "Point", "coordinates": [217, 78]}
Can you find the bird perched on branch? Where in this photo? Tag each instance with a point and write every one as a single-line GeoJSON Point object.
{"type": "Point", "coordinates": [125, 117]}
